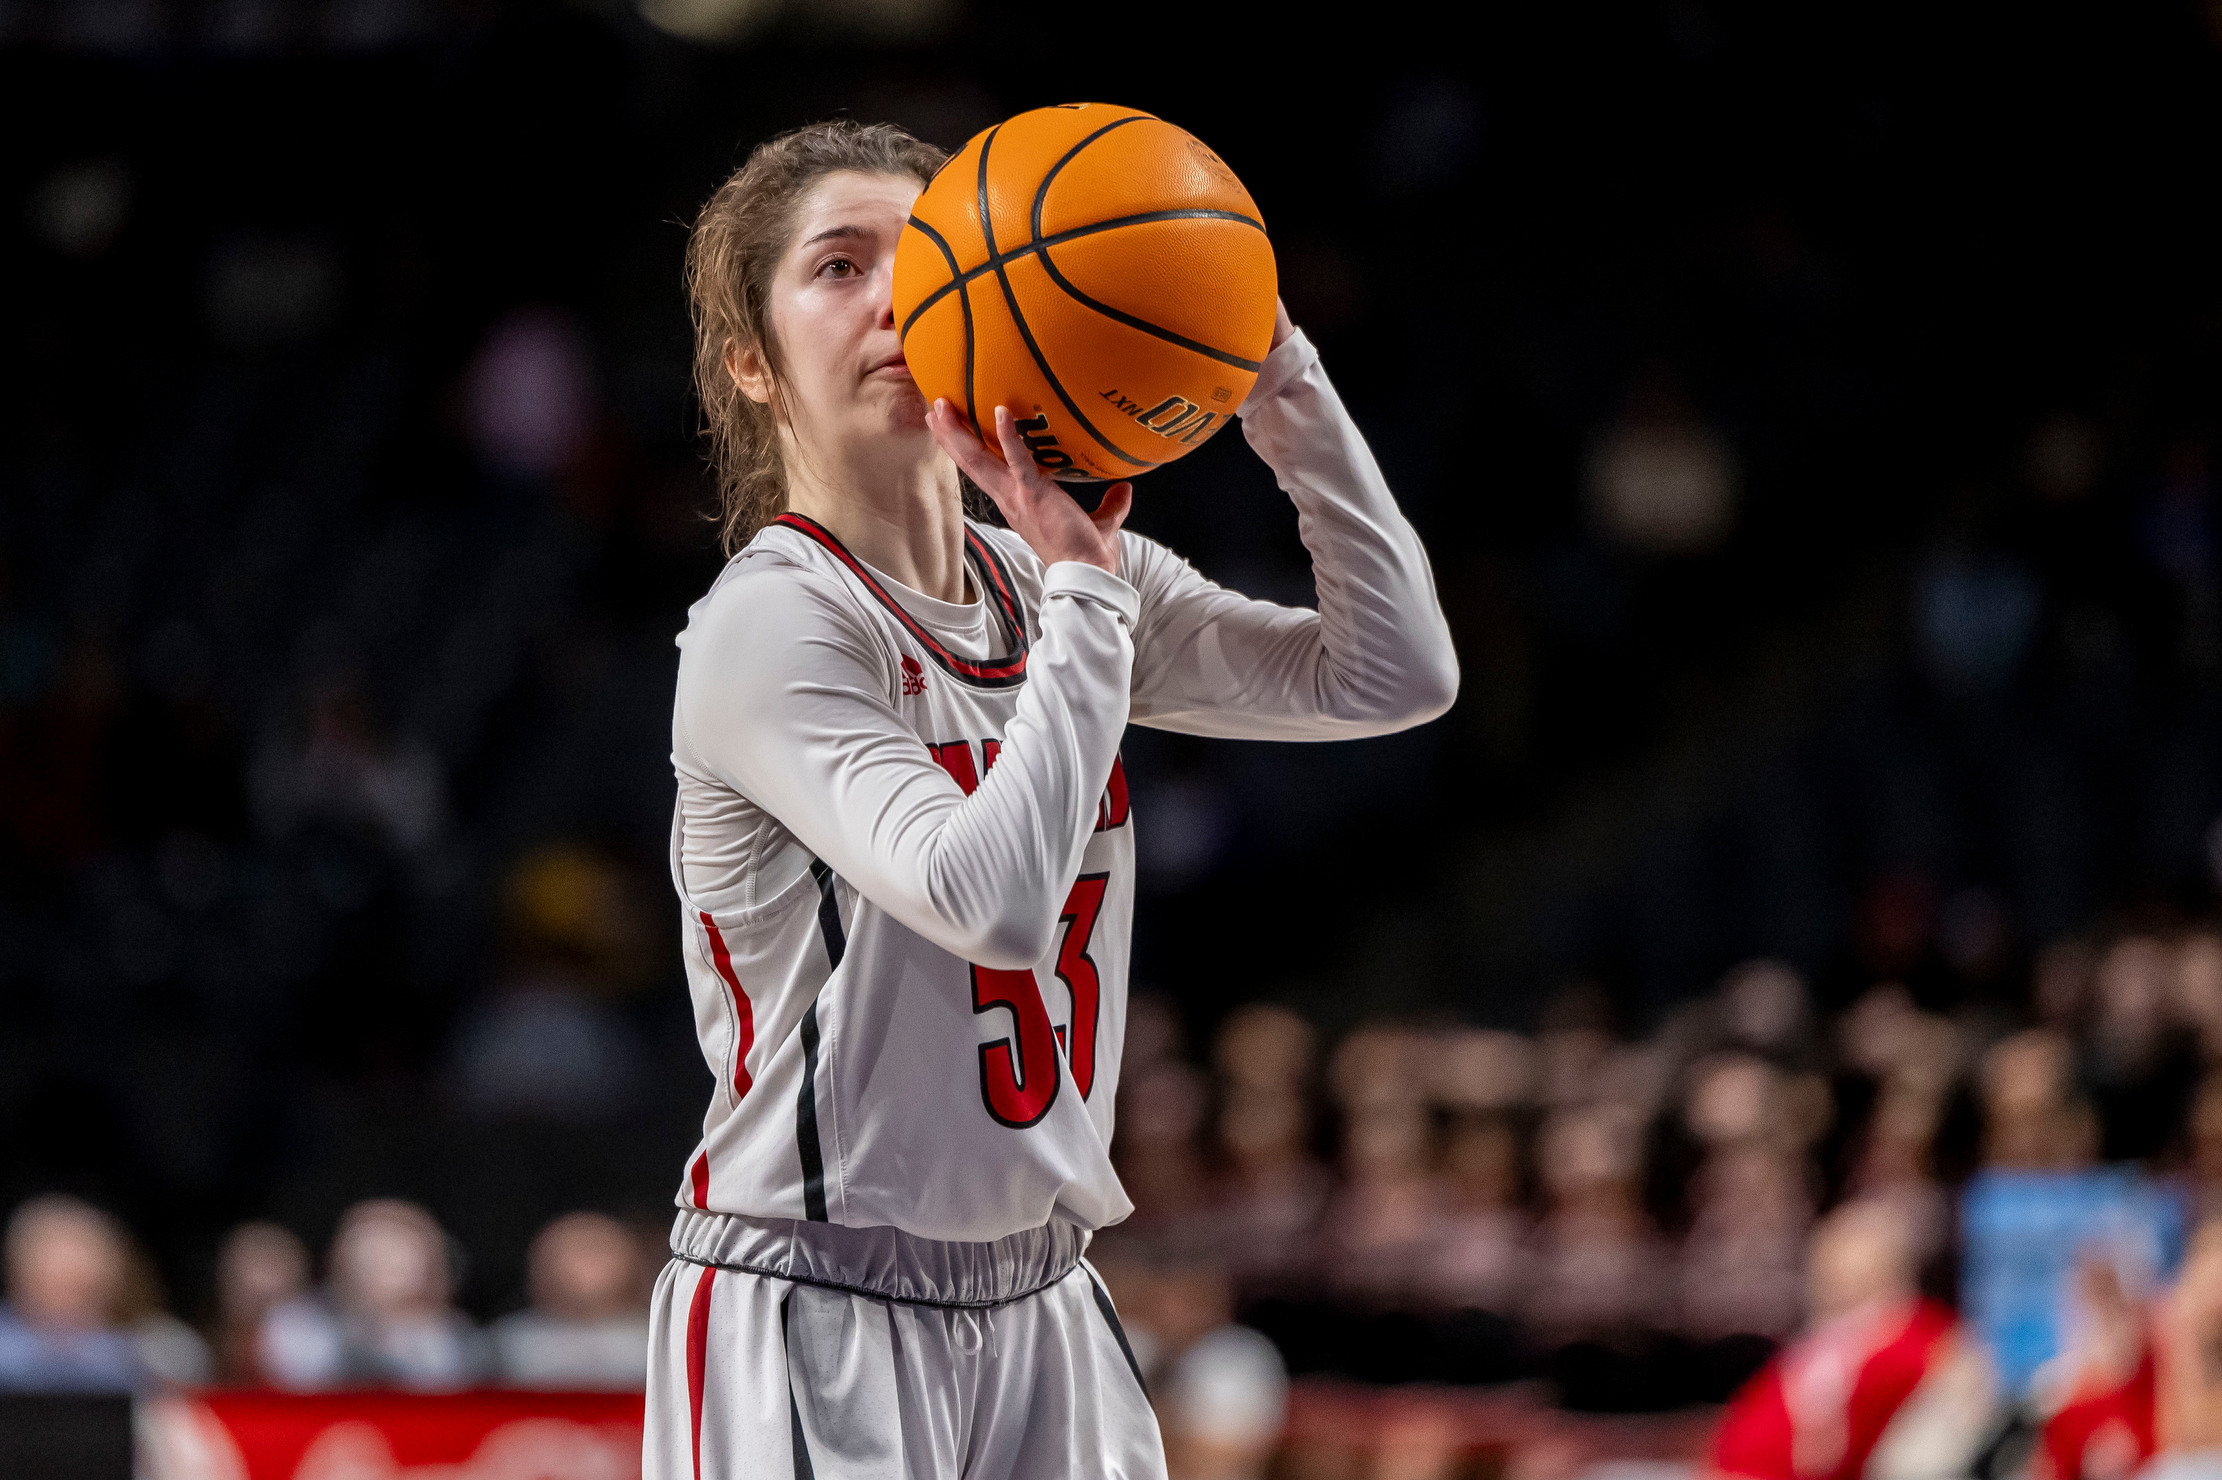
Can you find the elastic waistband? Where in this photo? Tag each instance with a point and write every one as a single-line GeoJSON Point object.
{"type": "Point", "coordinates": [882, 1263]}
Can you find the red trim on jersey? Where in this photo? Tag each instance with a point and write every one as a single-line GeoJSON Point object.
{"type": "Point", "coordinates": [744, 1016]}
{"type": "Point", "coordinates": [1004, 595]}
{"type": "Point", "coordinates": [699, 1174]}
{"type": "Point", "coordinates": [698, 1357]}
{"type": "Point", "coordinates": [995, 672]}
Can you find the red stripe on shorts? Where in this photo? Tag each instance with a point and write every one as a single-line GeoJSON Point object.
{"type": "Point", "coordinates": [744, 1018]}
{"type": "Point", "coordinates": [698, 1353]}
{"type": "Point", "coordinates": [700, 1174]}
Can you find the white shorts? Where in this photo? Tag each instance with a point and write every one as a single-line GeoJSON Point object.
{"type": "Point", "coordinates": [780, 1350]}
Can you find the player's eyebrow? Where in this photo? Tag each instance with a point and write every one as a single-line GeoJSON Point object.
{"type": "Point", "coordinates": [836, 233]}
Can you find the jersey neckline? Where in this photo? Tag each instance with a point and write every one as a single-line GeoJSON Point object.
{"type": "Point", "coordinates": [995, 582]}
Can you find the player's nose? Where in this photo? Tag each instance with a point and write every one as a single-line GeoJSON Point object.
{"type": "Point", "coordinates": [883, 291]}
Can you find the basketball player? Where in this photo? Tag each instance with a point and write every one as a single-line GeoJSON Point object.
{"type": "Point", "coordinates": [906, 859]}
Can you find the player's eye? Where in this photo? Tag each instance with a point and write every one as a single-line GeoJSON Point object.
{"type": "Point", "coordinates": [840, 267]}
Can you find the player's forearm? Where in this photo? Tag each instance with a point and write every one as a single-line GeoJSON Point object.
{"type": "Point", "coordinates": [997, 870]}
{"type": "Point", "coordinates": [1383, 659]}
{"type": "Point", "coordinates": [1375, 657]}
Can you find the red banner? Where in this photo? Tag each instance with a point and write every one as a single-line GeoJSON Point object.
{"type": "Point", "coordinates": [393, 1436]}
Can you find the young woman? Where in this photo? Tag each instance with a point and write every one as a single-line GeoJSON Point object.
{"type": "Point", "coordinates": [904, 852]}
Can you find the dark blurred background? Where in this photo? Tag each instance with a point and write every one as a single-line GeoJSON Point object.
{"type": "Point", "coordinates": [1810, 412]}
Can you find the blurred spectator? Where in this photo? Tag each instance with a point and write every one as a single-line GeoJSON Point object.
{"type": "Point", "coordinates": [2197, 991]}
{"type": "Point", "coordinates": [530, 394]}
{"type": "Point", "coordinates": [1739, 1273]}
{"type": "Point", "coordinates": [588, 1325]}
{"type": "Point", "coordinates": [1765, 1008]}
{"type": "Point", "coordinates": [1882, 1383]}
{"type": "Point", "coordinates": [1733, 1098]}
{"type": "Point", "coordinates": [2142, 1062]}
{"type": "Point", "coordinates": [1272, 1190]}
{"type": "Point", "coordinates": [2188, 1352]}
{"type": "Point", "coordinates": [1153, 1033]}
{"type": "Point", "coordinates": [1220, 1389]}
{"type": "Point", "coordinates": [84, 1309]}
{"type": "Point", "coordinates": [339, 767]}
{"type": "Point", "coordinates": [1913, 1059]}
{"type": "Point", "coordinates": [1741, 1267]}
{"type": "Point", "coordinates": [1381, 1223]}
{"type": "Point", "coordinates": [261, 1267]}
{"type": "Point", "coordinates": [2105, 1338]}
{"type": "Point", "coordinates": [66, 1264]}
{"type": "Point", "coordinates": [1160, 1116]}
{"type": "Point", "coordinates": [1572, 1048]}
{"type": "Point", "coordinates": [169, 1351]}
{"type": "Point", "coordinates": [1598, 1268]}
{"type": "Point", "coordinates": [1483, 1072]}
{"type": "Point", "coordinates": [1659, 480]}
{"type": "Point", "coordinates": [2140, 1385]}
{"type": "Point", "coordinates": [385, 1319]}
{"type": "Point", "coordinates": [1479, 1258]}
{"type": "Point", "coordinates": [2034, 1118]}
{"type": "Point", "coordinates": [1265, 1048]}
{"type": "Point", "coordinates": [1897, 1165]}
{"type": "Point", "coordinates": [550, 1044]}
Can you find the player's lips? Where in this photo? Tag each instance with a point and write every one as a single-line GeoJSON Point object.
{"type": "Point", "coordinates": [893, 365]}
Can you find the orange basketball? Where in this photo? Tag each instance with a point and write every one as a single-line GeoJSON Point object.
{"type": "Point", "coordinates": [1099, 272]}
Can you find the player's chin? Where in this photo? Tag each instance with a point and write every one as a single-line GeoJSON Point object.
{"type": "Point", "coordinates": [901, 402]}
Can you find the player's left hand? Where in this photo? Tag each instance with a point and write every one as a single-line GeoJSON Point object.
{"type": "Point", "coordinates": [1041, 513]}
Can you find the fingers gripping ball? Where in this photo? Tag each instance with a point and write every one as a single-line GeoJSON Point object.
{"type": "Point", "coordinates": [1099, 272]}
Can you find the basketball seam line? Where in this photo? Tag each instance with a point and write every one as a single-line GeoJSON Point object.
{"type": "Point", "coordinates": [964, 302]}
{"type": "Point", "coordinates": [1018, 319]}
{"type": "Point", "coordinates": [999, 259]}
{"type": "Point", "coordinates": [1041, 362]}
{"type": "Point", "coordinates": [1049, 176]}
{"type": "Point", "coordinates": [1034, 222]}
{"type": "Point", "coordinates": [971, 348]}
{"type": "Point", "coordinates": [980, 197]}
{"type": "Point", "coordinates": [1118, 316]}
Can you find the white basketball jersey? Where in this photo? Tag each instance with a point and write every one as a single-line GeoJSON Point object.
{"type": "Point", "coordinates": [903, 842]}
{"type": "Point", "coordinates": [915, 1088]}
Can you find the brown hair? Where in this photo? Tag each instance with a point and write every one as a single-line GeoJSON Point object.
{"type": "Point", "coordinates": [732, 254]}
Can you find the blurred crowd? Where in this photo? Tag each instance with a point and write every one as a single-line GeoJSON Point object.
{"type": "Point", "coordinates": [84, 1311]}
{"type": "Point", "coordinates": [1635, 1224]}
{"type": "Point", "coordinates": [1611, 1224]}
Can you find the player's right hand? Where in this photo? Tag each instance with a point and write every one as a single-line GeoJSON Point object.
{"type": "Point", "coordinates": [1043, 514]}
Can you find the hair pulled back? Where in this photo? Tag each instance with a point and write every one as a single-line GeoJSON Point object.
{"type": "Point", "coordinates": [732, 254]}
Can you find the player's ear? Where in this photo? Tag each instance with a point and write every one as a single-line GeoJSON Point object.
{"type": "Point", "coordinates": [745, 363]}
